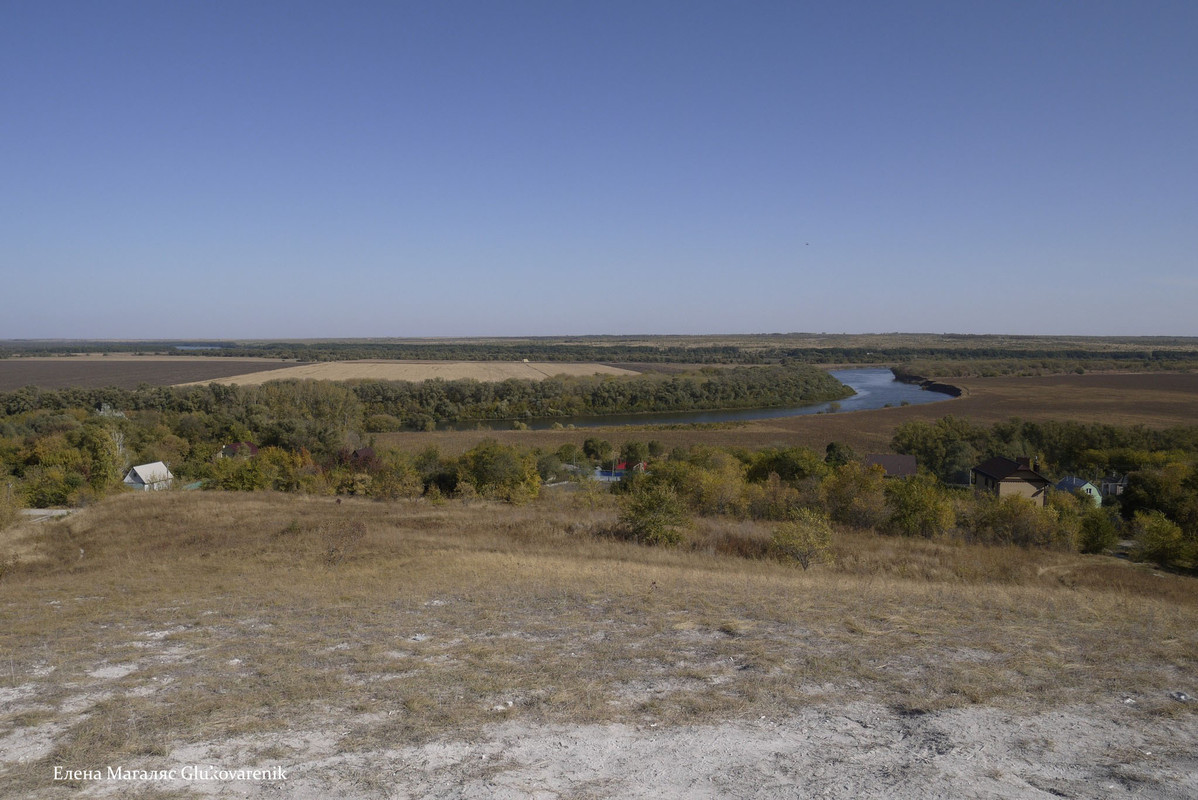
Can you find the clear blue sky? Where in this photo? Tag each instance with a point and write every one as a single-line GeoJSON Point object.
{"type": "Point", "coordinates": [300, 169]}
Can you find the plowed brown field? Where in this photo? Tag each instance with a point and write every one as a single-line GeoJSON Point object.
{"type": "Point", "coordinates": [123, 371]}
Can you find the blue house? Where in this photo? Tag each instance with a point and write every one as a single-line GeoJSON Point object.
{"type": "Point", "coordinates": [1072, 483]}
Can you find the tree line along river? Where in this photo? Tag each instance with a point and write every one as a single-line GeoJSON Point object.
{"type": "Point", "coordinates": [875, 388]}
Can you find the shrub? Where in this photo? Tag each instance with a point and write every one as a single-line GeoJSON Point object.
{"type": "Point", "coordinates": [634, 452]}
{"type": "Point", "coordinates": [1019, 521]}
{"type": "Point", "coordinates": [773, 499]}
{"type": "Point", "coordinates": [9, 506]}
{"type": "Point", "coordinates": [853, 495]}
{"type": "Point", "coordinates": [1097, 532]}
{"type": "Point", "coordinates": [919, 506]}
{"type": "Point", "coordinates": [791, 464]}
{"type": "Point", "coordinates": [1158, 538]}
{"type": "Point", "coordinates": [499, 471]}
{"type": "Point", "coordinates": [382, 423]}
{"type": "Point", "coordinates": [549, 467]}
{"type": "Point", "coordinates": [597, 449]}
{"type": "Point", "coordinates": [654, 515]}
{"type": "Point", "coordinates": [806, 539]}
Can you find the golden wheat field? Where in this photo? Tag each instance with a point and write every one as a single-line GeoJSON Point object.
{"type": "Point", "coordinates": [383, 370]}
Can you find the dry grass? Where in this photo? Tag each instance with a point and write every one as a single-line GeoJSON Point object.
{"type": "Point", "coordinates": [145, 624]}
{"type": "Point", "coordinates": [382, 370]}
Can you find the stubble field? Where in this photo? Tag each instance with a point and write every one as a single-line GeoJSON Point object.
{"type": "Point", "coordinates": [381, 370]}
{"type": "Point", "coordinates": [130, 371]}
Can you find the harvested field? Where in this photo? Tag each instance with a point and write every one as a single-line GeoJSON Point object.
{"type": "Point", "coordinates": [380, 370]}
{"type": "Point", "coordinates": [122, 371]}
{"type": "Point", "coordinates": [1155, 400]}
{"type": "Point", "coordinates": [475, 650]}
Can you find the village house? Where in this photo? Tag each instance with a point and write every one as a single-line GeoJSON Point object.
{"type": "Point", "coordinates": [1003, 477]}
{"type": "Point", "coordinates": [622, 468]}
{"type": "Point", "coordinates": [1072, 483]}
{"type": "Point", "coordinates": [147, 477]}
{"type": "Point", "coordinates": [1113, 485]}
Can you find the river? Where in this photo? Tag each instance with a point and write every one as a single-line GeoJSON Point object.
{"type": "Point", "coordinates": [875, 388]}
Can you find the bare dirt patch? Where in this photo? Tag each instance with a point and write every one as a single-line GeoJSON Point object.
{"type": "Point", "coordinates": [381, 370]}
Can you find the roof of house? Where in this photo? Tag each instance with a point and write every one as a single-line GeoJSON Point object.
{"type": "Point", "coordinates": [896, 466]}
{"type": "Point", "coordinates": [1072, 482]}
{"type": "Point", "coordinates": [1000, 469]}
{"type": "Point", "coordinates": [150, 473]}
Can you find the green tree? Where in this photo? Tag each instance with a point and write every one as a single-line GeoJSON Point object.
{"type": "Point", "coordinates": [54, 485]}
{"type": "Point", "coordinates": [102, 459]}
{"type": "Point", "coordinates": [597, 449]}
{"type": "Point", "coordinates": [501, 472]}
{"type": "Point", "coordinates": [791, 464]}
{"type": "Point", "coordinates": [948, 448]}
{"type": "Point", "coordinates": [837, 454]}
{"type": "Point", "coordinates": [570, 453]}
{"type": "Point", "coordinates": [1097, 532]}
{"type": "Point", "coordinates": [550, 467]}
{"type": "Point", "coordinates": [634, 452]}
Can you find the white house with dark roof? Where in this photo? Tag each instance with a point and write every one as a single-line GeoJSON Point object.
{"type": "Point", "coordinates": [147, 477]}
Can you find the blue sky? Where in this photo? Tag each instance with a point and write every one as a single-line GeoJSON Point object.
{"type": "Point", "coordinates": [300, 169]}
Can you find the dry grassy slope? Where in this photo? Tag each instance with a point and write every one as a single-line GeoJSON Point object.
{"type": "Point", "coordinates": [141, 626]}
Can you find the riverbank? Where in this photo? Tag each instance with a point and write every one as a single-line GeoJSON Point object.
{"type": "Point", "coordinates": [929, 385]}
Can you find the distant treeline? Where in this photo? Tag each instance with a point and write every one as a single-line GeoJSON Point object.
{"type": "Point", "coordinates": [951, 446]}
{"type": "Point", "coordinates": [392, 405]}
{"type": "Point", "coordinates": [963, 358]}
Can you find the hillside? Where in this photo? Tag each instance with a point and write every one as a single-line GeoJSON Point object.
{"type": "Point", "coordinates": [476, 650]}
